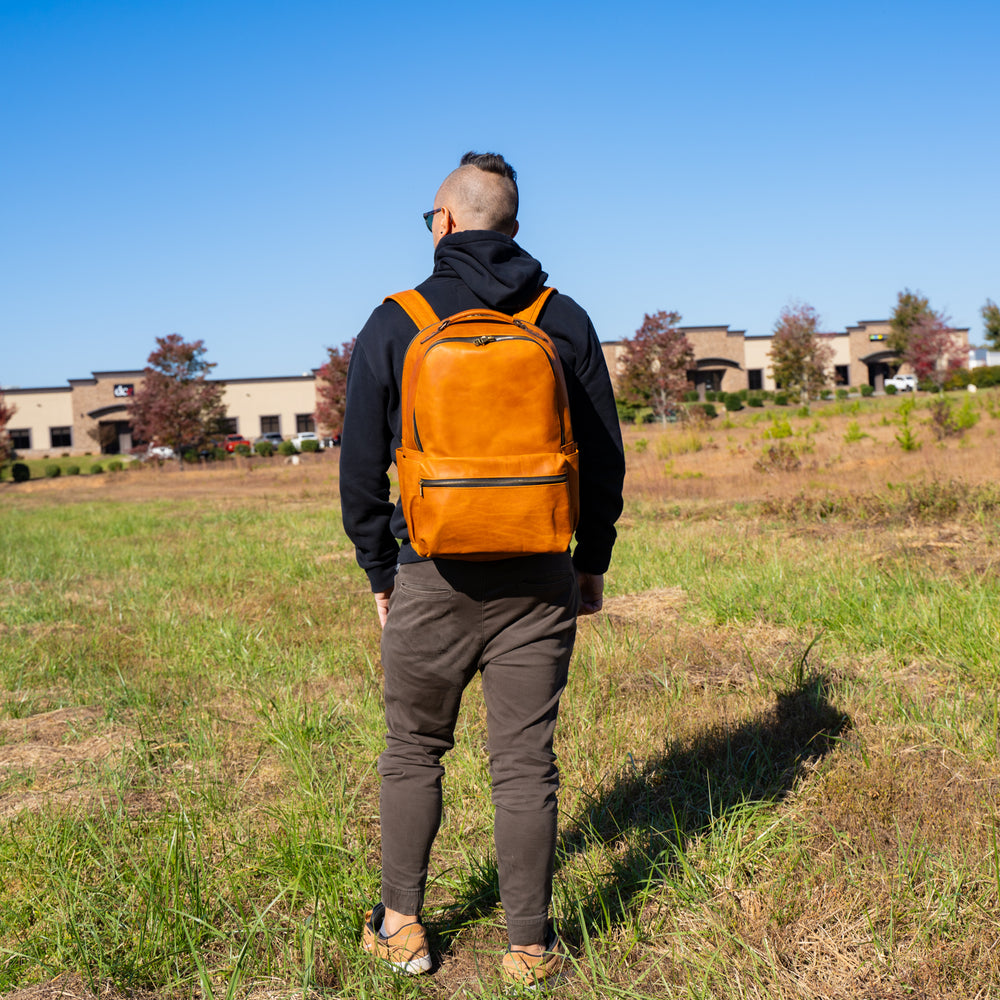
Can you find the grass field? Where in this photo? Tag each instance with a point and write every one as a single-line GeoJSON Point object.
{"type": "Point", "coordinates": [778, 745]}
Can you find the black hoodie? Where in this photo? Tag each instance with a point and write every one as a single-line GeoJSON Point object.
{"type": "Point", "coordinates": [473, 268]}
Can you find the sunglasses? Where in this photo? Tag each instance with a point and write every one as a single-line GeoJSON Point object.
{"type": "Point", "coordinates": [428, 216]}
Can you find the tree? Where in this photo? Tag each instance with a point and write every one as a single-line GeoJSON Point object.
{"type": "Point", "coordinates": [910, 307]}
{"type": "Point", "coordinates": [991, 323]}
{"type": "Point", "coordinates": [331, 389]}
{"type": "Point", "coordinates": [176, 404]}
{"type": "Point", "coordinates": [934, 351]}
{"type": "Point", "coordinates": [655, 363]}
{"type": "Point", "coordinates": [6, 412]}
{"type": "Point", "coordinates": [800, 358]}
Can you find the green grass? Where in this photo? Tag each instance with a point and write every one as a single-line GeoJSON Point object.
{"type": "Point", "coordinates": [778, 753]}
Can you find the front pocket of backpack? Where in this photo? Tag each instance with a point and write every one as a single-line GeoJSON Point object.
{"type": "Point", "coordinates": [491, 508]}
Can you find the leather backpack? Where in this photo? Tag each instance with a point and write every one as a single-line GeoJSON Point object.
{"type": "Point", "coordinates": [488, 468]}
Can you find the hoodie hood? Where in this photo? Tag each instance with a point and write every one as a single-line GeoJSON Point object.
{"type": "Point", "coordinates": [495, 269]}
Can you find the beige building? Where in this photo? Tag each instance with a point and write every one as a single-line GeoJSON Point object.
{"type": "Point", "coordinates": [728, 360]}
{"type": "Point", "coordinates": [91, 414]}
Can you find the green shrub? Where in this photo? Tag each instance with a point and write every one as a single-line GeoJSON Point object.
{"type": "Point", "coordinates": [264, 448]}
{"type": "Point", "coordinates": [826, 394]}
{"type": "Point", "coordinates": [708, 409]}
{"type": "Point", "coordinates": [743, 393]}
{"type": "Point", "coordinates": [287, 448]}
{"type": "Point", "coordinates": [803, 411]}
{"type": "Point", "coordinates": [641, 445]}
{"type": "Point", "coordinates": [733, 402]}
{"type": "Point", "coordinates": [866, 390]}
{"type": "Point", "coordinates": [52, 471]}
{"type": "Point", "coordinates": [691, 397]}
{"type": "Point", "coordinates": [310, 445]}
{"type": "Point", "coordinates": [780, 428]}
{"type": "Point", "coordinates": [72, 470]}
{"type": "Point", "coordinates": [96, 469]}
{"type": "Point", "coordinates": [191, 456]}
{"type": "Point", "coordinates": [243, 449]}
{"type": "Point", "coordinates": [854, 432]}
{"type": "Point", "coordinates": [114, 465]}
{"type": "Point", "coordinates": [890, 390]}
{"type": "Point", "coordinates": [712, 396]}
{"type": "Point", "coordinates": [842, 393]}
{"type": "Point", "coordinates": [20, 473]}
{"type": "Point", "coordinates": [755, 399]}
{"type": "Point", "coordinates": [781, 399]}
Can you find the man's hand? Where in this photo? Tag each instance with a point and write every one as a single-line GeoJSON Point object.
{"type": "Point", "coordinates": [591, 592]}
{"type": "Point", "coordinates": [382, 603]}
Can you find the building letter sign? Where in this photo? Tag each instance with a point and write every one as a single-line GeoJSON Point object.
{"type": "Point", "coordinates": [124, 389]}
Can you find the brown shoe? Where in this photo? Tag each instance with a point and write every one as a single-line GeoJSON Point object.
{"type": "Point", "coordinates": [531, 970]}
{"type": "Point", "coordinates": [406, 950]}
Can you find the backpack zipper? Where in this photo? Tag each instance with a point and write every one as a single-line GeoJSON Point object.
{"type": "Point", "coordinates": [495, 481]}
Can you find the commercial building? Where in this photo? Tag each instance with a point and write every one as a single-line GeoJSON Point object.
{"type": "Point", "coordinates": [728, 360]}
{"type": "Point", "coordinates": [91, 414]}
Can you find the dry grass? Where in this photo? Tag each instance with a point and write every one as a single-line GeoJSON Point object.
{"type": "Point", "coordinates": [762, 795]}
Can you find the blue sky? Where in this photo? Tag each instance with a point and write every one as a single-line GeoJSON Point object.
{"type": "Point", "coordinates": [252, 173]}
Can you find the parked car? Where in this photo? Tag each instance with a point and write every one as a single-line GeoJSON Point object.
{"type": "Point", "coordinates": [161, 451]}
{"type": "Point", "coordinates": [233, 441]}
{"type": "Point", "coordinates": [304, 436]}
{"type": "Point", "coordinates": [273, 438]}
{"type": "Point", "coordinates": [330, 442]}
{"type": "Point", "coordinates": [903, 383]}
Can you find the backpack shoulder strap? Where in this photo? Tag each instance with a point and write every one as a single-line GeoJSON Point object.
{"type": "Point", "coordinates": [530, 315]}
{"type": "Point", "coordinates": [415, 306]}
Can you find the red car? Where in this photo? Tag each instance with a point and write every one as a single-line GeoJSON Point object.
{"type": "Point", "coordinates": [233, 441]}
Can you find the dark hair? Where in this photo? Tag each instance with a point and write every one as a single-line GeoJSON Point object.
{"type": "Point", "coordinates": [494, 163]}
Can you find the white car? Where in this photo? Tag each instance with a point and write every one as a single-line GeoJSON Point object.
{"type": "Point", "coordinates": [161, 451]}
{"type": "Point", "coordinates": [305, 436]}
{"type": "Point", "coordinates": [902, 383]}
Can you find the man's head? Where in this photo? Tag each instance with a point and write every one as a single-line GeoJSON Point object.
{"type": "Point", "coordinates": [481, 193]}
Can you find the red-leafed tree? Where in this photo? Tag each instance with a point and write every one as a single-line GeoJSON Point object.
{"type": "Point", "coordinates": [331, 389]}
{"type": "Point", "coordinates": [933, 350]}
{"type": "Point", "coordinates": [653, 367]}
{"type": "Point", "coordinates": [991, 323]}
{"type": "Point", "coordinates": [176, 405]}
{"type": "Point", "coordinates": [910, 307]}
{"type": "Point", "coordinates": [800, 357]}
{"type": "Point", "coordinates": [6, 412]}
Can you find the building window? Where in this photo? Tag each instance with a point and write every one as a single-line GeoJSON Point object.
{"type": "Point", "coordinates": [227, 425]}
{"type": "Point", "coordinates": [755, 379]}
{"type": "Point", "coordinates": [270, 425]}
{"type": "Point", "coordinates": [841, 376]}
{"type": "Point", "coordinates": [20, 440]}
{"type": "Point", "coordinates": [61, 437]}
{"type": "Point", "coordinates": [304, 422]}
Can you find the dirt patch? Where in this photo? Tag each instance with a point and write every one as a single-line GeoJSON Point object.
{"type": "Point", "coordinates": [877, 803]}
{"type": "Point", "coordinates": [46, 753]}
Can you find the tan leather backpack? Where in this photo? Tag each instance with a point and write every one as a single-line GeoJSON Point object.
{"type": "Point", "coordinates": [488, 468]}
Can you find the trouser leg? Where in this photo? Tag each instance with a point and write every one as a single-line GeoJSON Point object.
{"type": "Point", "coordinates": [525, 666]}
{"type": "Point", "coordinates": [430, 648]}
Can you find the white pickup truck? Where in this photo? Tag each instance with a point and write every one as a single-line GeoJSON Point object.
{"type": "Point", "coordinates": [902, 383]}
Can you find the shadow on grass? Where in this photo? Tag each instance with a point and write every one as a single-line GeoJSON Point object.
{"type": "Point", "coordinates": [655, 807]}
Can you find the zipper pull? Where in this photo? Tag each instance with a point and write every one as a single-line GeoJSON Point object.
{"type": "Point", "coordinates": [484, 340]}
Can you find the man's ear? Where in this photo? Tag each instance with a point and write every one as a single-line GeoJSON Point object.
{"type": "Point", "coordinates": [450, 224]}
{"type": "Point", "coordinates": [517, 226]}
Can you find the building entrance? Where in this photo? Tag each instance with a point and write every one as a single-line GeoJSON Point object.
{"type": "Point", "coordinates": [115, 437]}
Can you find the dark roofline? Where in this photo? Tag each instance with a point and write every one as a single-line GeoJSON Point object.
{"type": "Point", "coordinates": [22, 391]}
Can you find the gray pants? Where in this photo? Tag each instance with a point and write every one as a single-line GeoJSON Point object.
{"type": "Point", "coordinates": [514, 621]}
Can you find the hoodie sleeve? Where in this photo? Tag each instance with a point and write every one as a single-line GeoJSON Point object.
{"type": "Point", "coordinates": [365, 457]}
{"type": "Point", "coordinates": [602, 459]}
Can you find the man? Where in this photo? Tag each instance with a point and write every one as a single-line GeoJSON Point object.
{"type": "Point", "coordinates": [443, 620]}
